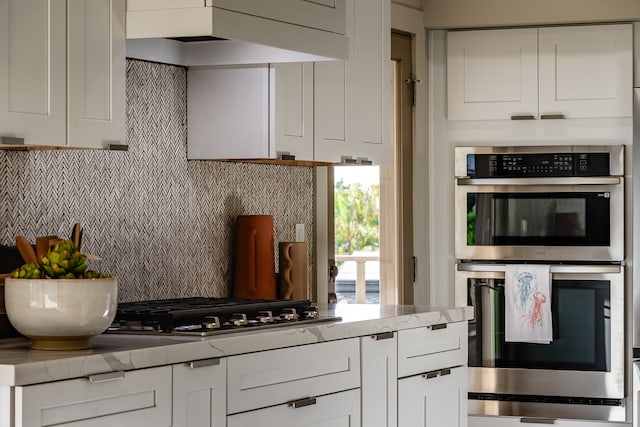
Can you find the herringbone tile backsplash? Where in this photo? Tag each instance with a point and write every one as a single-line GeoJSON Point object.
{"type": "Point", "coordinates": [163, 225]}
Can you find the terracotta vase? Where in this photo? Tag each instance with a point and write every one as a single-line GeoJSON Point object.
{"type": "Point", "coordinates": [293, 271]}
{"type": "Point", "coordinates": [254, 271]}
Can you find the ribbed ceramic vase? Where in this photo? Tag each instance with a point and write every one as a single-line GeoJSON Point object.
{"type": "Point", "coordinates": [254, 271]}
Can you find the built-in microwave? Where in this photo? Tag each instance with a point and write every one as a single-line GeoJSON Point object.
{"type": "Point", "coordinates": [559, 203]}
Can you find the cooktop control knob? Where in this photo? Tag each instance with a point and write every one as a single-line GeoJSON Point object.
{"type": "Point", "coordinates": [265, 317]}
{"type": "Point", "coordinates": [210, 322]}
{"type": "Point", "coordinates": [289, 314]}
{"type": "Point", "coordinates": [239, 319]}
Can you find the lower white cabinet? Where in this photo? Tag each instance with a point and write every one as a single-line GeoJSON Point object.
{"type": "Point", "coordinates": [493, 421]}
{"type": "Point", "coordinates": [332, 410]}
{"type": "Point", "coordinates": [200, 393]}
{"type": "Point", "coordinates": [379, 367]}
{"type": "Point", "coordinates": [433, 399]}
{"type": "Point", "coordinates": [123, 399]}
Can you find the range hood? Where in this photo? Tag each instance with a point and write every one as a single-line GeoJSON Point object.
{"type": "Point", "coordinates": [234, 32]}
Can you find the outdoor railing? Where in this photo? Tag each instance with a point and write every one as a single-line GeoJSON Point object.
{"type": "Point", "coordinates": [360, 261]}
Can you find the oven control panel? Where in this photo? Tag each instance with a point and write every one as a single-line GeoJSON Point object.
{"type": "Point", "coordinates": [537, 165]}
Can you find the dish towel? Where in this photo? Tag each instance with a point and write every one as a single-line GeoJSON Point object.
{"type": "Point", "coordinates": [527, 300]}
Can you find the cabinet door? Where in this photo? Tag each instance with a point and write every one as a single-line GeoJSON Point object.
{"type": "Point", "coordinates": [132, 399]}
{"type": "Point", "coordinates": [33, 71]}
{"type": "Point", "coordinates": [379, 364]}
{"type": "Point", "coordinates": [492, 74]}
{"type": "Point", "coordinates": [332, 410]}
{"type": "Point", "coordinates": [433, 399]}
{"type": "Point", "coordinates": [328, 15]}
{"type": "Point", "coordinates": [586, 71]}
{"type": "Point", "coordinates": [228, 112]}
{"type": "Point", "coordinates": [294, 109]}
{"type": "Point", "coordinates": [96, 73]}
{"type": "Point", "coordinates": [257, 380]}
{"type": "Point", "coordinates": [352, 97]}
{"type": "Point", "coordinates": [200, 394]}
{"type": "Point", "coordinates": [331, 99]}
{"type": "Point", "coordinates": [370, 78]}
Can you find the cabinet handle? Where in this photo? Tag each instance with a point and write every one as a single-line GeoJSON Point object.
{"type": "Point", "coordinates": [434, 374]}
{"type": "Point", "coordinates": [119, 147]}
{"type": "Point", "coordinates": [301, 403]}
{"type": "Point", "coordinates": [523, 117]}
{"type": "Point", "coordinates": [552, 116]}
{"type": "Point", "coordinates": [109, 376]}
{"type": "Point", "coordinates": [382, 336]}
{"type": "Point", "coordinates": [203, 363]}
{"type": "Point", "coordinates": [538, 420]}
{"type": "Point", "coordinates": [437, 326]}
{"type": "Point", "coordinates": [364, 161]}
{"type": "Point", "coordinates": [286, 156]}
{"type": "Point", "coordinates": [348, 160]}
{"type": "Point", "coordinates": [9, 140]}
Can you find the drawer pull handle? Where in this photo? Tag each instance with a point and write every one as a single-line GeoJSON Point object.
{"type": "Point", "coordinates": [434, 374]}
{"type": "Point", "coordinates": [538, 420]}
{"type": "Point", "coordinates": [552, 116]}
{"type": "Point", "coordinates": [9, 140]}
{"type": "Point", "coordinates": [109, 376]}
{"type": "Point", "coordinates": [437, 326]}
{"type": "Point", "coordinates": [382, 336]}
{"type": "Point", "coordinates": [295, 404]}
{"type": "Point", "coordinates": [286, 156]}
{"type": "Point", "coordinates": [118, 147]}
{"type": "Point", "coordinates": [523, 117]}
{"type": "Point", "coordinates": [203, 363]}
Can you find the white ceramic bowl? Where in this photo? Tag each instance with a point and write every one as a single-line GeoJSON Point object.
{"type": "Point", "coordinates": [61, 314]}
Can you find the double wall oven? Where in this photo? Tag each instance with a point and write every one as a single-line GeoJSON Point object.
{"type": "Point", "coordinates": [561, 206]}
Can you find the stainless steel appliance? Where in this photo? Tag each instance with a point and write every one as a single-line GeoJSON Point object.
{"type": "Point", "coordinates": [201, 316]}
{"type": "Point", "coordinates": [561, 203]}
{"type": "Point", "coordinates": [579, 375]}
{"type": "Point", "coordinates": [563, 206]}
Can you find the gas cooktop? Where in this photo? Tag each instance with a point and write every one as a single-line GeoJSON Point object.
{"type": "Point", "coordinates": [210, 316]}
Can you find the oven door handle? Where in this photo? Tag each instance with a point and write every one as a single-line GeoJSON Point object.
{"type": "Point", "coordinates": [596, 180]}
{"type": "Point", "coordinates": [566, 269]}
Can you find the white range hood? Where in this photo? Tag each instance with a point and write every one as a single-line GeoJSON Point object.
{"type": "Point", "coordinates": [224, 32]}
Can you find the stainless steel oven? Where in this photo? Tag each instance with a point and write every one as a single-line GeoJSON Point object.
{"type": "Point", "coordinates": [559, 203]}
{"type": "Point", "coordinates": [579, 375]}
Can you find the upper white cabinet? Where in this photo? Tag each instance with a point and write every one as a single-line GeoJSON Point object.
{"type": "Point", "coordinates": [546, 73]}
{"type": "Point", "coordinates": [294, 110]}
{"type": "Point", "coordinates": [63, 65]}
{"type": "Point", "coordinates": [325, 112]}
{"type": "Point", "coordinates": [352, 98]}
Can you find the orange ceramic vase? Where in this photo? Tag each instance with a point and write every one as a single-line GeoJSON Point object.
{"type": "Point", "coordinates": [254, 271]}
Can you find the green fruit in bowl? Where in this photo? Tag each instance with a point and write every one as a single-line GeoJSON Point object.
{"type": "Point", "coordinates": [62, 261]}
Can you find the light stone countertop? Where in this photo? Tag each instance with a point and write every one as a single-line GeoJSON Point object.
{"type": "Point", "coordinates": [19, 365]}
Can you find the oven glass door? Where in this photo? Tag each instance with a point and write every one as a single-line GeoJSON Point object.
{"type": "Point", "coordinates": [581, 313]}
{"type": "Point", "coordinates": [552, 222]}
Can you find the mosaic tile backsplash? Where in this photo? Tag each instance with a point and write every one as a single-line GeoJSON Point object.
{"type": "Point", "coordinates": [163, 225]}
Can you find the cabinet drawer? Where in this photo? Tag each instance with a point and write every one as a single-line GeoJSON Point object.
{"type": "Point", "coordinates": [272, 377]}
{"type": "Point", "coordinates": [430, 348]}
{"type": "Point", "coordinates": [133, 398]}
{"type": "Point", "coordinates": [338, 409]}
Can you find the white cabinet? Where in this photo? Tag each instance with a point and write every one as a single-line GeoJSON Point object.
{"type": "Point", "coordinates": [380, 380]}
{"type": "Point", "coordinates": [432, 372]}
{"type": "Point", "coordinates": [333, 410]}
{"type": "Point", "coordinates": [200, 393]}
{"type": "Point", "coordinates": [433, 399]}
{"type": "Point", "coordinates": [294, 110]}
{"type": "Point", "coordinates": [352, 98]}
{"type": "Point", "coordinates": [63, 64]}
{"type": "Point", "coordinates": [330, 111]}
{"type": "Point", "coordinates": [547, 72]}
{"type": "Point", "coordinates": [257, 380]}
{"type": "Point", "coordinates": [493, 421]}
{"type": "Point", "coordinates": [132, 398]}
